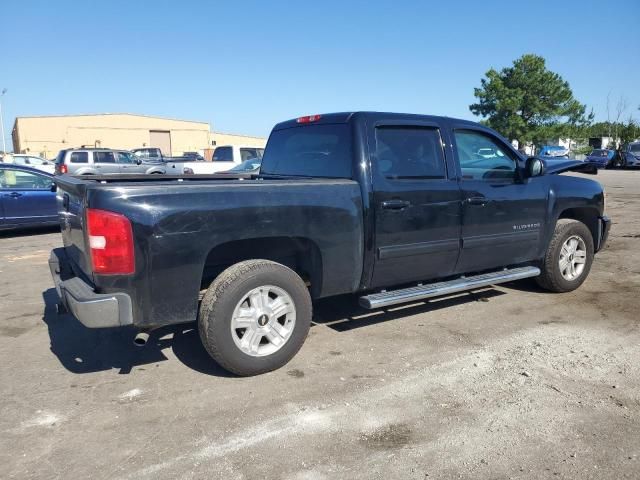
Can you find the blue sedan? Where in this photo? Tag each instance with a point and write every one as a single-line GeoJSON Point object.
{"type": "Point", "coordinates": [27, 197]}
{"type": "Point", "coordinates": [603, 158]}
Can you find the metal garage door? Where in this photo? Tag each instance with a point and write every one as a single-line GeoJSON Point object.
{"type": "Point", "coordinates": [162, 140]}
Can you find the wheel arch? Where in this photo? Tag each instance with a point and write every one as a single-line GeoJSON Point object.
{"type": "Point", "coordinates": [587, 215]}
{"type": "Point", "coordinates": [300, 254]}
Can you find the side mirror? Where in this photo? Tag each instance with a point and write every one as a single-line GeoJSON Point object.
{"type": "Point", "coordinates": [534, 167]}
{"type": "Point", "coordinates": [138, 161]}
{"type": "Point", "coordinates": [54, 187]}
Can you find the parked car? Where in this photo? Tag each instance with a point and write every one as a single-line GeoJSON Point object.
{"type": "Point", "coordinates": [631, 155]}
{"type": "Point", "coordinates": [193, 156]}
{"type": "Point", "coordinates": [102, 161]}
{"type": "Point", "coordinates": [153, 154]}
{"type": "Point", "coordinates": [28, 197]}
{"type": "Point", "coordinates": [150, 154]}
{"type": "Point", "coordinates": [553, 151]}
{"type": "Point", "coordinates": [357, 203]}
{"type": "Point", "coordinates": [29, 161]}
{"type": "Point", "coordinates": [188, 163]}
{"type": "Point", "coordinates": [248, 166]}
{"type": "Point", "coordinates": [604, 158]}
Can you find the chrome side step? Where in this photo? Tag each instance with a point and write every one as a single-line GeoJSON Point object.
{"type": "Point", "coordinates": [384, 299]}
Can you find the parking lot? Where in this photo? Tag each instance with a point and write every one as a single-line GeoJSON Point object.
{"type": "Point", "coordinates": [504, 382]}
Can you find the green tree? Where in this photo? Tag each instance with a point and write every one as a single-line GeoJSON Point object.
{"type": "Point", "coordinates": [528, 103]}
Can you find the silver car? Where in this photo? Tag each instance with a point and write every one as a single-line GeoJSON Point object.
{"type": "Point", "coordinates": [631, 155]}
{"type": "Point", "coordinates": [102, 161]}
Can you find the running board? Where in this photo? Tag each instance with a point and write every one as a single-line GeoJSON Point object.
{"type": "Point", "coordinates": [384, 299]}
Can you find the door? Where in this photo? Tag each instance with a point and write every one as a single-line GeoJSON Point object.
{"type": "Point", "coordinates": [417, 205]}
{"type": "Point", "coordinates": [104, 162]}
{"type": "Point", "coordinates": [27, 197]}
{"type": "Point", "coordinates": [129, 164]}
{"type": "Point", "coordinates": [502, 215]}
{"type": "Point", "coordinates": [162, 140]}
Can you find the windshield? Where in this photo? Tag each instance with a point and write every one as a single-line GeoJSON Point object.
{"type": "Point", "coordinates": [247, 166]}
{"type": "Point", "coordinates": [309, 151]}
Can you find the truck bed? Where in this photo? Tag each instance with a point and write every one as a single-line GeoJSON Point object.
{"type": "Point", "coordinates": [178, 221]}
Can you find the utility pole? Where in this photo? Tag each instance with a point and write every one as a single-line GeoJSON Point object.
{"type": "Point", "coordinates": [4, 146]}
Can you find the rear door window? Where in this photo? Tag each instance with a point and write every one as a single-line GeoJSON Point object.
{"type": "Point", "coordinates": [79, 157]}
{"type": "Point", "coordinates": [309, 151]}
{"type": "Point", "coordinates": [103, 157]}
{"type": "Point", "coordinates": [409, 153]}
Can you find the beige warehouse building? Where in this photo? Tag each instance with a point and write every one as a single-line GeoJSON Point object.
{"type": "Point", "coordinates": [47, 135]}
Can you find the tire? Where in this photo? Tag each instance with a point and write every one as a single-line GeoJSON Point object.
{"type": "Point", "coordinates": [553, 277]}
{"type": "Point", "coordinates": [226, 303]}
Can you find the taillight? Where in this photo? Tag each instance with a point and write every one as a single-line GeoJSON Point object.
{"type": "Point", "coordinates": [110, 242]}
{"type": "Point", "coordinates": [308, 119]}
{"type": "Point", "coordinates": [63, 168]}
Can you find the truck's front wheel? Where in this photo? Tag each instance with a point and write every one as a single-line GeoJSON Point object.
{"type": "Point", "coordinates": [569, 256]}
{"type": "Point", "coordinates": [254, 317]}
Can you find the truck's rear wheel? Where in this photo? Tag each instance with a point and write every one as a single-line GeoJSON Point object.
{"type": "Point", "coordinates": [254, 317]}
{"type": "Point", "coordinates": [568, 259]}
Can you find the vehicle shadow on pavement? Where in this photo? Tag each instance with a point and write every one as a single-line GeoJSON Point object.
{"type": "Point", "coordinates": [28, 232]}
{"type": "Point", "coordinates": [343, 313]}
{"type": "Point", "coordinates": [85, 350]}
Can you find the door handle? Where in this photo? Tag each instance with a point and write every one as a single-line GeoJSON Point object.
{"type": "Point", "coordinates": [395, 204]}
{"type": "Point", "coordinates": [13, 195]}
{"type": "Point", "coordinates": [477, 201]}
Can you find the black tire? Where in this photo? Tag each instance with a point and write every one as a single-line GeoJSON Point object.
{"type": "Point", "coordinates": [221, 299]}
{"type": "Point", "coordinates": [551, 277]}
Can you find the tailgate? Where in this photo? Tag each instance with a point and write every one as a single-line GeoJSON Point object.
{"type": "Point", "coordinates": [71, 200]}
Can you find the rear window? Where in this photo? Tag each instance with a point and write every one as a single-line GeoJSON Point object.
{"type": "Point", "coordinates": [309, 151]}
{"type": "Point", "coordinates": [79, 157]}
{"type": "Point", "coordinates": [635, 148]}
{"type": "Point", "coordinates": [60, 157]}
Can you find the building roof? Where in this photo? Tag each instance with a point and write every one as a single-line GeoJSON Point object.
{"type": "Point", "coordinates": [109, 113]}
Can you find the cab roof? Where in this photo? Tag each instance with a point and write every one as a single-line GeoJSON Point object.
{"type": "Point", "coordinates": [346, 117]}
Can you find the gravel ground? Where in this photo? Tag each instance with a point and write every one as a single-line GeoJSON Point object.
{"type": "Point", "coordinates": [506, 382]}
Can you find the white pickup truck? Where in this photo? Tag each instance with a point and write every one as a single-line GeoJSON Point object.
{"type": "Point", "coordinates": [224, 158]}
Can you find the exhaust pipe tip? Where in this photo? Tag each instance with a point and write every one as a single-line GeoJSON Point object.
{"type": "Point", "coordinates": [141, 339]}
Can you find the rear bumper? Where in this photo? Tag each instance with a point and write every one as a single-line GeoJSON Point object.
{"type": "Point", "coordinates": [93, 310]}
{"type": "Point", "coordinates": [604, 225]}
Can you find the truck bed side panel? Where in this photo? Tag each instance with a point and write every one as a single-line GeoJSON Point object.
{"type": "Point", "coordinates": [177, 226]}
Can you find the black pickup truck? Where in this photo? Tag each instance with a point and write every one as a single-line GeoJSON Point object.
{"type": "Point", "coordinates": [390, 207]}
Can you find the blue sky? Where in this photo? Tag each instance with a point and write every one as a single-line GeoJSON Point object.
{"type": "Point", "coordinates": [245, 65]}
